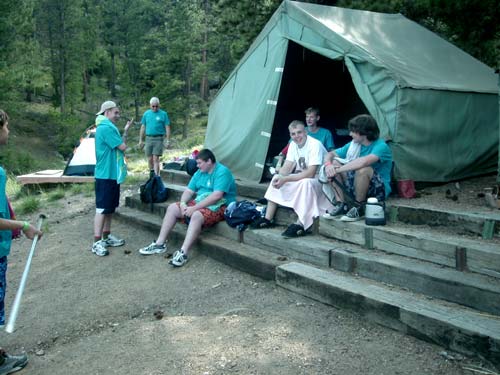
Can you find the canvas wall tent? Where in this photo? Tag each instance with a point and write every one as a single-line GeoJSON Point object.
{"type": "Point", "coordinates": [82, 162]}
{"type": "Point", "coordinates": [436, 104]}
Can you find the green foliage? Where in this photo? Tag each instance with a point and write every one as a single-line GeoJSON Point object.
{"type": "Point", "coordinates": [16, 162]}
{"type": "Point", "coordinates": [86, 189]}
{"type": "Point", "coordinates": [27, 205]}
{"type": "Point", "coordinates": [13, 189]}
{"type": "Point", "coordinates": [56, 194]}
{"type": "Point", "coordinates": [66, 131]}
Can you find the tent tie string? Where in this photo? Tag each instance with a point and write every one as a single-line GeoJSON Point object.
{"type": "Point", "coordinates": [267, 50]}
{"type": "Point", "coordinates": [234, 83]}
{"type": "Point", "coordinates": [301, 32]}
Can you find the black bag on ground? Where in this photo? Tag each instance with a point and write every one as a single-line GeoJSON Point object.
{"type": "Point", "coordinates": [153, 191]}
{"type": "Point", "coordinates": [240, 214]}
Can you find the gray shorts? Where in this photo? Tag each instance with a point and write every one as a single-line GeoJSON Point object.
{"type": "Point", "coordinates": [154, 145]}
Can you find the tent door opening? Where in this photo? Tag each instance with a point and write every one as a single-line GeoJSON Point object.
{"type": "Point", "coordinates": [312, 80]}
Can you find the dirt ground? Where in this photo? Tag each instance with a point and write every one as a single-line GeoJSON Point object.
{"type": "Point", "coordinates": [131, 314]}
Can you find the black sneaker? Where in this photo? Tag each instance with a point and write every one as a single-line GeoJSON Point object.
{"type": "Point", "coordinates": [354, 214]}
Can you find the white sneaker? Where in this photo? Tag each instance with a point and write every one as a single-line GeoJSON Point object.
{"type": "Point", "coordinates": [179, 259]}
{"type": "Point", "coordinates": [113, 241]}
{"type": "Point", "coordinates": [99, 248]}
{"type": "Point", "coordinates": [12, 363]}
{"type": "Point", "coordinates": [153, 248]}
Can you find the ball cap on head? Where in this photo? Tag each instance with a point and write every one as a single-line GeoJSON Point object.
{"type": "Point", "coordinates": [105, 106]}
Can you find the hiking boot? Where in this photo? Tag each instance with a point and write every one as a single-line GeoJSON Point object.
{"type": "Point", "coordinates": [354, 214]}
{"type": "Point", "coordinates": [153, 248]}
{"type": "Point", "coordinates": [99, 248]}
{"type": "Point", "coordinates": [113, 241]}
{"type": "Point", "coordinates": [338, 209]}
{"type": "Point", "coordinates": [12, 363]}
{"type": "Point", "coordinates": [179, 259]}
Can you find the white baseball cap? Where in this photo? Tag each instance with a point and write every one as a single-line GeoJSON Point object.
{"type": "Point", "coordinates": [105, 106]}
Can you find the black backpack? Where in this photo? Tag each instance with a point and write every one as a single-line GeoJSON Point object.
{"type": "Point", "coordinates": [240, 214]}
{"type": "Point", "coordinates": [153, 191]}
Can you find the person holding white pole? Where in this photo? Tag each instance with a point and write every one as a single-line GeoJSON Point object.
{"type": "Point", "coordinates": [9, 363]}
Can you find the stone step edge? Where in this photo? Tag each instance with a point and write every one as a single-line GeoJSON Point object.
{"type": "Point", "coordinates": [268, 268]}
{"type": "Point", "coordinates": [446, 284]}
{"type": "Point", "coordinates": [240, 256]}
{"type": "Point", "coordinates": [462, 254]}
{"type": "Point", "coordinates": [455, 328]}
{"type": "Point", "coordinates": [486, 225]}
{"type": "Point", "coordinates": [474, 290]}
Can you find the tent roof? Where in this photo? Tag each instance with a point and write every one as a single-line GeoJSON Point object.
{"type": "Point", "coordinates": [412, 55]}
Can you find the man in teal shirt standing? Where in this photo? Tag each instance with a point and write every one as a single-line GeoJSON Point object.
{"type": "Point", "coordinates": [110, 172]}
{"type": "Point", "coordinates": [202, 205]}
{"type": "Point", "coordinates": [156, 127]}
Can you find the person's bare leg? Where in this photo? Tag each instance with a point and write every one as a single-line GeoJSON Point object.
{"type": "Point", "coordinates": [107, 223]}
{"type": "Point", "coordinates": [271, 210]}
{"type": "Point", "coordinates": [193, 231]}
{"type": "Point", "coordinates": [362, 179]}
{"type": "Point", "coordinates": [98, 224]}
{"type": "Point", "coordinates": [169, 220]}
{"type": "Point", "coordinates": [156, 164]}
{"type": "Point", "coordinates": [150, 162]}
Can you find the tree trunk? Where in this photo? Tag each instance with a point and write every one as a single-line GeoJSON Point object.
{"type": "Point", "coordinates": [85, 77]}
{"type": "Point", "coordinates": [187, 94]}
{"type": "Point", "coordinates": [113, 73]}
{"type": "Point", "coordinates": [204, 52]}
{"type": "Point", "coordinates": [62, 61]}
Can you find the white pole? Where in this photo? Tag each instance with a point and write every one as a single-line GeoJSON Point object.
{"type": "Point", "coordinates": [17, 301]}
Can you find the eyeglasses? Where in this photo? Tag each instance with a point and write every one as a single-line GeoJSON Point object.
{"type": "Point", "coordinates": [154, 106]}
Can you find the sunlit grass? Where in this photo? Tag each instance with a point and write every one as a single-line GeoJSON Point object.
{"type": "Point", "coordinates": [27, 205]}
{"type": "Point", "coordinates": [55, 195]}
{"type": "Point", "coordinates": [13, 188]}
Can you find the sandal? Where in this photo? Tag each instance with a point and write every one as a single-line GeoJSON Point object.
{"type": "Point", "coordinates": [261, 223]}
{"type": "Point", "coordinates": [294, 230]}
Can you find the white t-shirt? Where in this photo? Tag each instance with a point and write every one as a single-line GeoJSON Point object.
{"type": "Point", "coordinates": [312, 153]}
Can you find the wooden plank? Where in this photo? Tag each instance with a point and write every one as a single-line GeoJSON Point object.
{"type": "Point", "coordinates": [342, 231]}
{"type": "Point", "coordinates": [421, 246]}
{"type": "Point", "coordinates": [311, 249]}
{"type": "Point", "coordinates": [51, 176]}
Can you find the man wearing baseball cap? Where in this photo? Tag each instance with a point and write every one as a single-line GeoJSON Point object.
{"type": "Point", "coordinates": [110, 172]}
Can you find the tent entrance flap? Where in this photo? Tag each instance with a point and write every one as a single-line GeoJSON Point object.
{"type": "Point", "coordinates": [312, 80]}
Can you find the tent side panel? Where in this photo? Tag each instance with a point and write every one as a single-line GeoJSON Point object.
{"type": "Point", "coordinates": [378, 92]}
{"type": "Point", "coordinates": [444, 136]}
{"type": "Point", "coordinates": [241, 117]}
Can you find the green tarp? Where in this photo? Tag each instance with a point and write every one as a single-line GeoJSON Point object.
{"type": "Point", "coordinates": [436, 105]}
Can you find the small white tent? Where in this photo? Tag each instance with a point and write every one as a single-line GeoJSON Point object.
{"type": "Point", "coordinates": [82, 162]}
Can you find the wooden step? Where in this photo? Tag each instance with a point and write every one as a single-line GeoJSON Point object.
{"type": "Point", "coordinates": [450, 325]}
{"type": "Point", "coordinates": [452, 251]}
{"type": "Point", "coordinates": [484, 224]}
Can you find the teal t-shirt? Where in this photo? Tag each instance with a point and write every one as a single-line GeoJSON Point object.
{"type": "Point", "coordinates": [155, 122]}
{"type": "Point", "coordinates": [108, 156]}
{"type": "Point", "coordinates": [325, 137]}
{"type": "Point", "coordinates": [221, 179]}
{"type": "Point", "coordinates": [5, 235]}
{"type": "Point", "coordinates": [382, 167]}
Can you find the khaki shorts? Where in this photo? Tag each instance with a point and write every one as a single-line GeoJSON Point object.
{"type": "Point", "coordinates": [154, 145]}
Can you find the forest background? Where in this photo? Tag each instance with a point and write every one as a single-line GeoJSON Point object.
{"type": "Point", "coordinates": [71, 55]}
